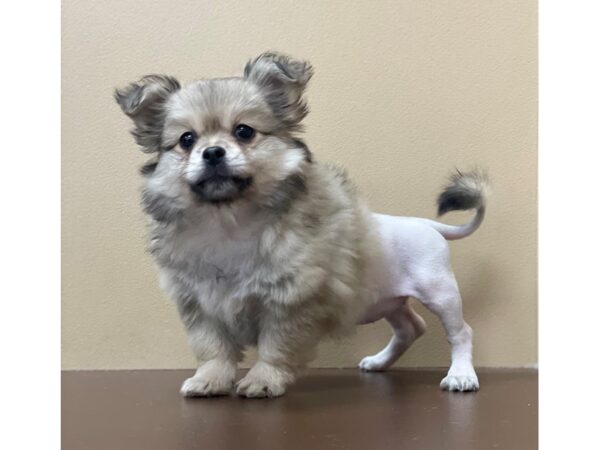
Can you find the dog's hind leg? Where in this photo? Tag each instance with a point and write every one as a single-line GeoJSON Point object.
{"type": "Point", "coordinates": [441, 296]}
{"type": "Point", "coordinates": [407, 326]}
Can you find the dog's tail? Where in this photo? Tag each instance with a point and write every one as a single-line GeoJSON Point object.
{"type": "Point", "coordinates": [464, 191]}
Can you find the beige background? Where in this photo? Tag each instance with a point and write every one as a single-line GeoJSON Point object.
{"type": "Point", "coordinates": [404, 92]}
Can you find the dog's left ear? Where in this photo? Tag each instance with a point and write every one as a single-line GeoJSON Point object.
{"type": "Point", "coordinates": [144, 103]}
{"type": "Point", "coordinates": [282, 81]}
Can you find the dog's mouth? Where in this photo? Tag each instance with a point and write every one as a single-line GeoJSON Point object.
{"type": "Point", "coordinates": [219, 188]}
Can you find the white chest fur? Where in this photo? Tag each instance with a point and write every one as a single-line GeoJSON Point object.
{"type": "Point", "coordinates": [216, 261]}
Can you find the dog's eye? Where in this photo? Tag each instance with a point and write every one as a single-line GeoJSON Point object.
{"type": "Point", "coordinates": [244, 132]}
{"type": "Point", "coordinates": [187, 140]}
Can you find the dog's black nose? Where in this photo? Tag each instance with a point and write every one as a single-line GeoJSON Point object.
{"type": "Point", "coordinates": [213, 155]}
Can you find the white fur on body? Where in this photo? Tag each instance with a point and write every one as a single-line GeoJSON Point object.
{"type": "Point", "coordinates": [416, 263]}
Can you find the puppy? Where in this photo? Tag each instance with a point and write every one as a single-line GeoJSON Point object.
{"type": "Point", "coordinates": [258, 244]}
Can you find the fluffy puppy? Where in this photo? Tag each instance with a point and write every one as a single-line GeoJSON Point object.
{"type": "Point", "coordinates": [260, 245]}
{"type": "Point", "coordinates": [256, 243]}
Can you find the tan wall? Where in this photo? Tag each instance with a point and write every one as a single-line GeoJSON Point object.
{"type": "Point", "coordinates": [404, 92]}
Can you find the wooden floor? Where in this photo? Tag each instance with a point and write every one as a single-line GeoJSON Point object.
{"type": "Point", "coordinates": [326, 409]}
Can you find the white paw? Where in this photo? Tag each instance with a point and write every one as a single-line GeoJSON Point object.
{"type": "Point", "coordinates": [200, 386]}
{"type": "Point", "coordinates": [462, 383]}
{"type": "Point", "coordinates": [259, 388]}
{"type": "Point", "coordinates": [374, 363]}
{"type": "Point", "coordinates": [212, 378]}
{"type": "Point", "coordinates": [263, 380]}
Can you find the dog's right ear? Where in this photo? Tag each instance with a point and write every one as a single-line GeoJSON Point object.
{"type": "Point", "coordinates": [144, 102]}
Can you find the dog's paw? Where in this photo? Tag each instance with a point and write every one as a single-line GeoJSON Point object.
{"type": "Point", "coordinates": [374, 363]}
{"type": "Point", "coordinates": [264, 380]}
{"type": "Point", "coordinates": [461, 383]}
{"type": "Point", "coordinates": [199, 386]}
{"type": "Point", "coordinates": [213, 378]}
{"type": "Point", "coordinates": [259, 388]}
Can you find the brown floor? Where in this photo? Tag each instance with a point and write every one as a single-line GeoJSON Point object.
{"type": "Point", "coordinates": [326, 409]}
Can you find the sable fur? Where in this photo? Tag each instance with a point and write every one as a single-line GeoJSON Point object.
{"type": "Point", "coordinates": [464, 191]}
{"type": "Point", "coordinates": [144, 102]}
{"type": "Point", "coordinates": [281, 264]}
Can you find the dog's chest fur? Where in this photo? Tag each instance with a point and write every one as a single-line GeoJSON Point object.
{"type": "Point", "coordinates": [218, 267]}
{"type": "Point", "coordinates": [246, 266]}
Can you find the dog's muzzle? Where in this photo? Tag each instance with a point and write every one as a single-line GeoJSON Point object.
{"type": "Point", "coordinates": [217, 184]}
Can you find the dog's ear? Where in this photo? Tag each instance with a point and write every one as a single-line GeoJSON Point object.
{"type": "Point", "coordinates": [144, 102]}
{"type": "Point", "coordinates": [282, 81]}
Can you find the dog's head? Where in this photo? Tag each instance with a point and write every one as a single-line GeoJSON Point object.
{"type": "Point", "coordinates": [219, 140]}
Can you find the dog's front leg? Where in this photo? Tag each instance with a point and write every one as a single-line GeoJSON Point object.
{"type": "Point", "coordinates": [218, 357]}
{"type": "Point", "coordinates": [285, 345]}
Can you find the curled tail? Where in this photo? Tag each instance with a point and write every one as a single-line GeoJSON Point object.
{"type": "Point", "coordinates": [464, 191]}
